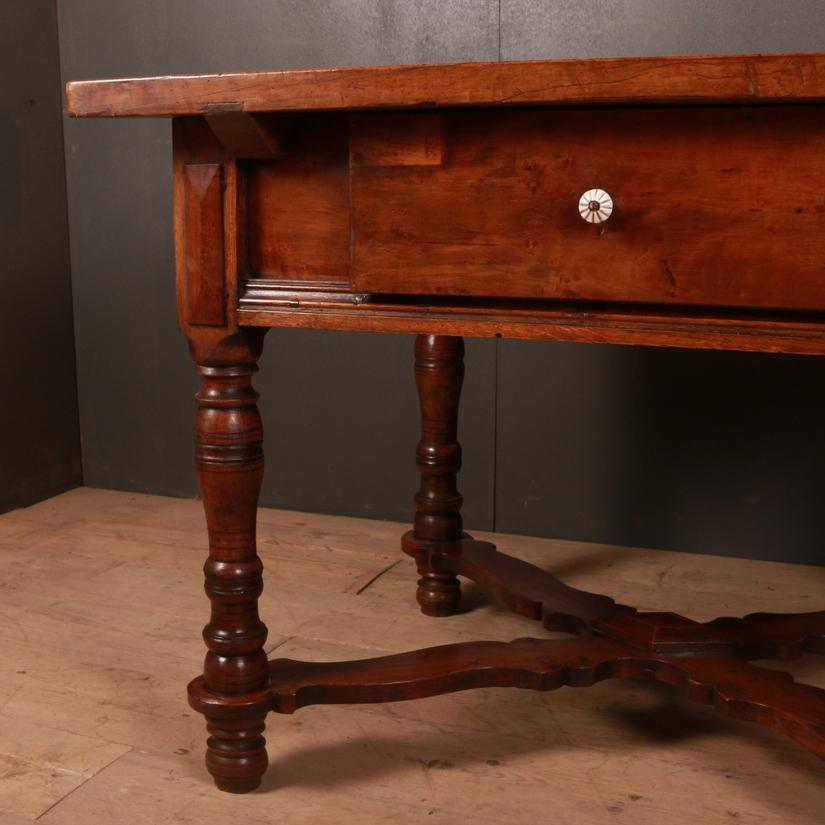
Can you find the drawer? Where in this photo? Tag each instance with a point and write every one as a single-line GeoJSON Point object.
{"type": "Point", "coordinates": [716, 206]}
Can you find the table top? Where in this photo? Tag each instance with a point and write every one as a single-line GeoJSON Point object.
{"type": "Point", "coordinates": [785, 78]}
{"type": "Point", "coordinates": [668, 285]}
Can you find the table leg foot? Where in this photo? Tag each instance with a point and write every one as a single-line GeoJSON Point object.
{"type": "Point", "coordinates": [236, 749]}
{"type": "Point", "coordinates": [236, 753]}
{"type": "Point", "coordinates": [437, 593]}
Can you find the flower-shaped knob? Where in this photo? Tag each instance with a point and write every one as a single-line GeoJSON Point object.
{"type": "Point", "coordinates": [595, 206]}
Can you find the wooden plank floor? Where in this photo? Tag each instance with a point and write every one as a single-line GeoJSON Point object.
{"type": "Point", "coordinates": [101, 609]}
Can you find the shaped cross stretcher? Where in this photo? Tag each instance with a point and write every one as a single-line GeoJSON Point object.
{"type": "Point", "coordinates": [709, 661]}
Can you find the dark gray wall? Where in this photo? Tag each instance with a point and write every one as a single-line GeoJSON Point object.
{"type": "Point", "coordinates": [39, 437]}
{"type": "Point", "coordinates": [689, 450]}
{"type": "Point", "coordinates": [701, 451]}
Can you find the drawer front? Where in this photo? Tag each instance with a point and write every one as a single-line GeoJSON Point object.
{"type": "Point", "coordinates": [710, 206]}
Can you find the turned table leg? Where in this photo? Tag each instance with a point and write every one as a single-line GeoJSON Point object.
{"type": "Point", "coordinates": [233, 691]}
{"type": "Point", "coordinates": [239, 687]}
{"type": "Point", "coordinates": [439, 372]}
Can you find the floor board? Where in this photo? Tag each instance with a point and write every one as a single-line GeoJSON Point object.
{"type": "Point", "coordinates": [101, 608]}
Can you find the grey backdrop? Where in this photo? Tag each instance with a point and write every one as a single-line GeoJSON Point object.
{"type": "Point", "coordinates": [39, 438]}
{"type": "Point", "coordinates": [696, 451]}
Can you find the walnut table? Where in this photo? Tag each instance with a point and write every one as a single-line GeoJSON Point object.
{"type": "Point", "coordinates": [664, 202]}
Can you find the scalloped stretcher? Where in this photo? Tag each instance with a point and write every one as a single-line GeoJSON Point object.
{"type": "Point", "coordinates": [709, 661]}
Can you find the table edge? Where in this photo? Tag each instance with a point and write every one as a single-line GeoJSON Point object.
{"type": "Point", "coordinates": [680, 79]}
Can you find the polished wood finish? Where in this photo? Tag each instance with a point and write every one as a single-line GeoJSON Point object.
{"type": "Point", "coordinates": [232, 693]}
{"type": "Point", "coordinates": [680, 80]}
{"type": "Point", "coordinates": [525, 589]}
{"type": "Point", "coordinates": [299, 207]}
{"type": "Point", "coordinates": [709, 663]}
{"type": "Point", "coordinates": [439, 373]}
{"type": "Point", "coordinates": [706, 202]}
{"type": "Point", "coordinates": [756, 636]}
{"type": "Point", "coordinates": [229, 462]}
{"type": "Point", "coordinates": [397, 139]}
{"type": "Point", "coordinates": [734, 687]}
{"type": "Point", "coordinates": [203, 243]}
{"type": "Point", "coordinates": [267, 306]}
{"type": "Point", "coordinates": [248, 136]}
{"type": "Point", "coordinates": [453, 223]}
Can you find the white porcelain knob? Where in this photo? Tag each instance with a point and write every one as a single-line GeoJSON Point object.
{"type": "Point", "coordinates": [595, 206]}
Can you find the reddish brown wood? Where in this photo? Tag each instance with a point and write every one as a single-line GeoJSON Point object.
{"type": "Point", "coordinates": [477, 203]}
{"type": "Point", "coordinates": [229, 464]}
{"type": "Point", "coordinates": [203, 243]}
{"type": "Point", "coordinates": [439, 372]}
{"type": "Point", "coordinates": [757, 636]}
{"type": "Point", "coordinates": [395, 140]}
{"type": "Point", "coordinates": [219, 237]}
{"type": "Point", "coordinates": [707, 661]}
{"type": "Point", "coordinates": [520, 586]}
{"type": "Point", "coordinates": [299, 221]}
{"type": "Point", "coordinates": [268, 306]}
{"type": "Point", "coordinates": [707, 203]}
{"type": "Point", "coordinates": [249, 136]}
{"type": "Point", "coordinates": [734, 687]}
{"type": "Point", "coordinates": [229, 461]}
{"type": "Point", "coordinates": [637, 80]}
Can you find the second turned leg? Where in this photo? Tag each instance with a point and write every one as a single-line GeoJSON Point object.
{"type": "Point", "coordinates": [439, 372]}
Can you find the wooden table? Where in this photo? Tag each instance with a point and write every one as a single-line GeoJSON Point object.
{"type": "Point", "coordinates": [664, 201]}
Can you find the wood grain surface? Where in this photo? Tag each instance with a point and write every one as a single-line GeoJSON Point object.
{"type": "Point", "coordinates": [202, 250]}
{"type": "Point", "coordinates": [555, 321]}
{"type": "Point", "coordinates": [728, 79]}
{"type": "Point", "coordinates": [712, 206]}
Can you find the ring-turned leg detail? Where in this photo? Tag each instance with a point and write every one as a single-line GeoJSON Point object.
{"type": "Point", "coordinates": [229, 459]}
{"type": "Point", "coordinates": [439, 372]}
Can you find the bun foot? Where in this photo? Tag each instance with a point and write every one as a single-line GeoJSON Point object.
{"type": "Point", "coordinates": [438, 594]}
{"type": "Point", "coordinates": [236, 754]}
